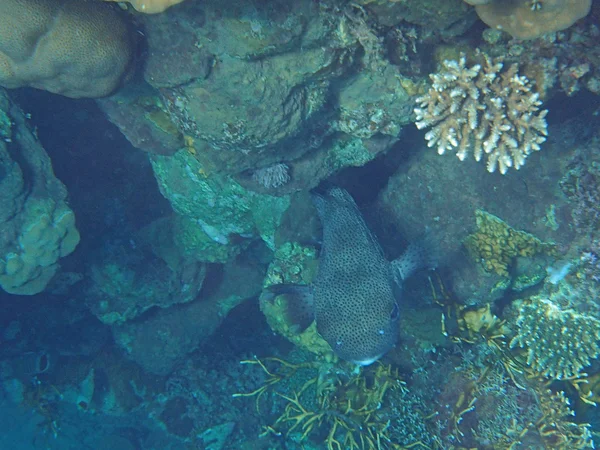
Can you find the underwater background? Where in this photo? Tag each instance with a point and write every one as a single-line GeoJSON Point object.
{"type": "Point", "coordinates": [159, 165]}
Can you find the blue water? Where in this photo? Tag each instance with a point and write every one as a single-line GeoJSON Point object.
{"type": "Point", "coordinates": [143, 324]}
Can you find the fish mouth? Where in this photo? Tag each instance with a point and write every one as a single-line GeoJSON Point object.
{"type": "Point", "coordinates": [368, 361]}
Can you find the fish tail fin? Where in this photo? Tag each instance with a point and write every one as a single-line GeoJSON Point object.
{"type": "Point", "coordinates": [419, 255]}
{"type": "Point", "coordinates": [299, 307]}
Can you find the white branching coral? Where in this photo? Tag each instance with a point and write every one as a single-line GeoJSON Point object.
{"type": "Point", "coordinates": [483, 109]}
{"type": "Point", "coordinates": [559, 342]}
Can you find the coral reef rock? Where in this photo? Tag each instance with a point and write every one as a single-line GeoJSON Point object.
{"type": "Point", "coordinates": [37, 227]}
{"type": "Point", "coordinates": [129, 280]}
{"type": "Point", "coordinates": [160, 340]}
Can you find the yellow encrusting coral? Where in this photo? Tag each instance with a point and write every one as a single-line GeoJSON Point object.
{"type": "Point", "coordinates": [496, 244]}
{"type": "Point", "coordinates": [482, 109]}
{"type": "Point", "coordinates": [559, 343]}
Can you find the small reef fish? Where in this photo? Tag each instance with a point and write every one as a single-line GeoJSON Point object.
{"type": "Point", "coordinates": [354, 296]}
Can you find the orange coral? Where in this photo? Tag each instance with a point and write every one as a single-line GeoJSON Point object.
{"type": "Point", "coordinates": [150, 6]}
{"type": "Point", "coordinates": [528, 19]}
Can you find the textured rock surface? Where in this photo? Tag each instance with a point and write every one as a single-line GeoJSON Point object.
{"type": "Point", "coordinates": [37, 227]}
{"type": "Point", "coordinates": [160, 341]}
{"type": "Point", "coordinates": [217, 215]}
{"type": "Point", "coordinates": [139, 116]}
{"type": "Point", "coordinates": [250, 88]}
{"type": "Point", "coordinates": [129, 279]}
{"type": "Point", "coordinates": [260, 77]}
{"type": "Point", "coordinates": [446, 16]}
{"type": "Point", "coordinates": [437, 195]}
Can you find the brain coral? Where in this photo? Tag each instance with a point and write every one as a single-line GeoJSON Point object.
{"type": "Point", "coordinates": [529, 19]}
{"type": "Point", "coordinates": [69, 47]}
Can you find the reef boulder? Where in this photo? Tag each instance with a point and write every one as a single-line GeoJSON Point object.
{"type": "Point", "coordinates": [37, 227]}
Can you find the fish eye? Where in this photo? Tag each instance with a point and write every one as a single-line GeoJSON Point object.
{"type": "Point", "coordinates": [395, 312]}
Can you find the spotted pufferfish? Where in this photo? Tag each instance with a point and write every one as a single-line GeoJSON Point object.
{"type": "Point", "coordinates": [355, 293]}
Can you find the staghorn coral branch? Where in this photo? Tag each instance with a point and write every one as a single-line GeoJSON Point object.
{"type": "Point", "coordinates": [485, 110]}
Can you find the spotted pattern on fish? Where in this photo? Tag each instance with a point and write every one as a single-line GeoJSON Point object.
{"type": "Point", "coordinates": [354, 295]}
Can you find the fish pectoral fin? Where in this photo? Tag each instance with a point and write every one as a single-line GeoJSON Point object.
{"type": "Point", "coordinates": [299, 308]}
